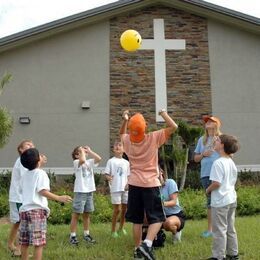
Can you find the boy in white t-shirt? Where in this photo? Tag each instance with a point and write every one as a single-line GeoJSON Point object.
{"type": "Point", "coordinates": [223, 175]}
{"type": "Point", "coordinates": [117, 172]}
{"type": "Point", "coordinates": [34, 210]}
{"type": "Point", "coordinates": [84, 187]}
{"type": "Point", "coordinates": [15, 197]}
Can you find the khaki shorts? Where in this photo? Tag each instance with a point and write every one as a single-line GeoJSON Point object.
{"type": "Point", "coordinates": [120, 197]}
{"type": "Point", "coordinates": [14, 212]}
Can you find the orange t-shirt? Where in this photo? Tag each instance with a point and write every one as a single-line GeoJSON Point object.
{"type": "Point", "coordinates": [143, 158]}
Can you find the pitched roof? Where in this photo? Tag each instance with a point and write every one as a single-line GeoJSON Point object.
{"type": "Point", "coordinates": [198, 7]}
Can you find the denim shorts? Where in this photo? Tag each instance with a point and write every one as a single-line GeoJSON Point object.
{"type": "Point", "coordinates": [83, 202]}
{"type": "Point", "coordinates": [205, 181]}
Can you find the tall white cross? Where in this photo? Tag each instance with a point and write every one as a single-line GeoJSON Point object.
{"type": "Point", "coordinates": [159, 44]}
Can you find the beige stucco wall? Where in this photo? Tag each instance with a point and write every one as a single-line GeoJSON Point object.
{"type": "Point", "coordinates": [51, 78]}
{"type": "Point", "coordinates": [235, 82]}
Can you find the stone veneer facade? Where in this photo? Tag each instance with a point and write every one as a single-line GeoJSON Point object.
{"type": "Point", "coordinates": [132, 74]}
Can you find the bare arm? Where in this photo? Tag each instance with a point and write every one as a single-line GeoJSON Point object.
{"type": "Point", "coordinates": [93, 155]}
{"type": "Point", "coordinates": [213, 186]}
{"type": "Point", "coordinates": [172, 202]}
{"type": "Point", "coordinates": [82, 156]}
{"type": "Point", "coordinates": [199, 156]}
{"type": "Point", "coordinates": [125, 117]}
{"type": "Point", "coordinates": [52, 196]}
{"type": "Point", "coordinates": [171, 125]}
{"type": "Point", "coordinates": [108, 177]}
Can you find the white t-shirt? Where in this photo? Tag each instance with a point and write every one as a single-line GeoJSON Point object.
{"type": "Point", "coordinates": [224, 171]}
{"type": "Point", "coordinates": [84, 173]}
{"type": "Point", "coordinates": [32, 183]}
{"type": "Point", "coordinates": [119, 169]}
{"type": "Point", "coordinates": [15, 191]}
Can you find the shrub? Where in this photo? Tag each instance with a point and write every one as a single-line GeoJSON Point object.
{"type": "Point", "coordinates": [4, 205]}
{"type": "Point", "coordinates": [248, 200]}
{"type": "Point", "coordinates": [61, 213]}
{"type": "Point", "coordinates": [249, 178]}
{"type": "Point", "coordinates": [5, 180]}
{"type": "Point", "coordinates": [193, 203]}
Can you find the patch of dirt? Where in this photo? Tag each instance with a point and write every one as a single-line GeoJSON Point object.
{"type": "Point", "coordinates": [4, 220]}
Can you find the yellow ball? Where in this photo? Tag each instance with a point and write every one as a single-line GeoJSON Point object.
{"type": "Point", "coordinates": [130, 40]}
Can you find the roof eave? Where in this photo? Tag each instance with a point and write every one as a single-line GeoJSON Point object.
{"type": "Point", "coordinates": [198, 7]}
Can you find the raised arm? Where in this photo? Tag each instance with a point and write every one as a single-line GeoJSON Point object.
{"type": "Point", "coordinates": [93, 155]}
{"type": "Point", "coordinates": [82, 156]}
{"type": "Point", "coordinates": [171, 125]}
{"type": "Point", "coordinates": [125, 117]}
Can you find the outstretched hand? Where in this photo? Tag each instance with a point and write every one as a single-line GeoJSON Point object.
{"type": "Point", "coordinates": [65, 199]}
{"type": "Point", "coordinates": [125, 115]}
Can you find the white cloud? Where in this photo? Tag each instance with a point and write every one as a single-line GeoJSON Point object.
{"type": "Point", "coordinates": [250, 7]}
{"type": "Point", "coordinates": [19, 15]}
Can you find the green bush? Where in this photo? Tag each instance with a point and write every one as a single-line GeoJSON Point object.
{"type": "Point", "coordinates": [249, 178]}
{"type": "Point", "coordinates": [248, 200]}
{"type": "Point", "coordinates": [4, 205]}
{"type": "Point", "coordinates": [193, 203]}
{"type": "Point", "coordinates": [5, 180]}
{"type": "Point", "coordinates": [61, 213]}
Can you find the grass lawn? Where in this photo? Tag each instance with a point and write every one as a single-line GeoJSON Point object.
{"type": "Point", "coordinates": [192, 245]}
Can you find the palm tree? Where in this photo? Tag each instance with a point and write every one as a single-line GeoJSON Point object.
{"type": "Point", "coordinates": [6, 121]}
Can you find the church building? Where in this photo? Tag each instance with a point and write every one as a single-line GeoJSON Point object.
{"type": "Point", "coordinates": [72, 80]}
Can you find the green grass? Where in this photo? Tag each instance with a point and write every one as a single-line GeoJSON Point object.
{"type": "Point", "coordinates": [192, 246]}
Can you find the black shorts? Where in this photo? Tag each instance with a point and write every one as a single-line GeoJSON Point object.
{"type": "Point", "coordinates": [181, 217]}
{"type": "Point", "coordinates": [144, 200]}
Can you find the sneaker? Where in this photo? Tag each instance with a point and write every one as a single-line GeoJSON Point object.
{"type": "Point", "coordinates": [122, 231]}
{"type": "Point", "coordinates": [214, 258]}
{"type": "Point", "coordinates": [74, 241]}
{"type": "Point", "coordinates": [138, 254]}
{"type": "Point", "coordinates": [206, 234]}
{"type": "Point", "coordinates": [114, 235]}
{"type": "Point", "coordinates": [176, 237]}
{"type": "Point", "coordinates": [146, 251]}
{"type": "Point", "coordinates": [89, 239]}
{"type": "Point", "coordinates": [232, 257]}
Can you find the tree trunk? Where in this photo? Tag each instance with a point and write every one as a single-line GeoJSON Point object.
{"type": "Point", "coordinates": [183, 178]}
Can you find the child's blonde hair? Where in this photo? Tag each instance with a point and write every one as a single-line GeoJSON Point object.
{"type": "Point", "coordinates": [21, 145]}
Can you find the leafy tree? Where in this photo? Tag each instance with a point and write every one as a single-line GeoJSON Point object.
{"type": "Point", "coordinates": [175, 154]}
{"type": "Point", "coordinates": [6, 121]}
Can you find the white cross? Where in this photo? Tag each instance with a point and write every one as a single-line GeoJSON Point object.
{"type": "Point", "coordinates": [159, 44]}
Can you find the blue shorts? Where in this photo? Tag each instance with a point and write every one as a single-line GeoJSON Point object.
{"type": "Point", "coordinates": [144, 200]}
{"type": "Point", "coordinates": [83, 202]}
{"type": "Point", "coordinates": [205, 181]}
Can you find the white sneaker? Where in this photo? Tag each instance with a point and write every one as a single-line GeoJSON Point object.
{"type": "Point", "coordinates": [176, 237]}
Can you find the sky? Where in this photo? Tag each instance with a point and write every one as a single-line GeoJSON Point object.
{"type": "Point", "coordinates": [19, 15]}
